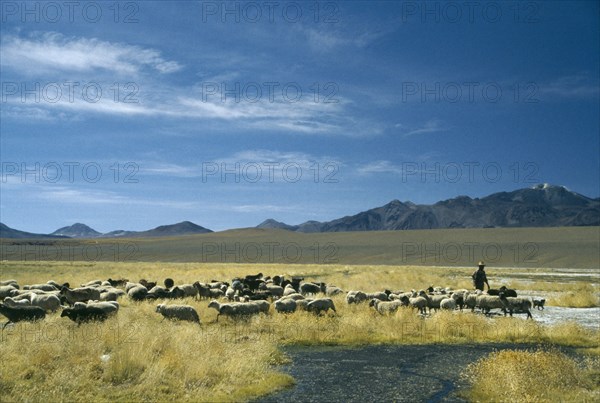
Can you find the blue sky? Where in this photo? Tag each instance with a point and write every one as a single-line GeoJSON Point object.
{"type": "Point", "coordinates": [137, 114]}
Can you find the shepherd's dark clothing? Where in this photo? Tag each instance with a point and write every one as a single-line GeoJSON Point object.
{"type": "Point", "coordinates": [479, 279]}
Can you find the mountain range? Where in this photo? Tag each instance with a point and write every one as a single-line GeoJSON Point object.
{"type": "Point", "coordinates": [79, 230]}
{"type": "Point", "coordinates": [539, 206]}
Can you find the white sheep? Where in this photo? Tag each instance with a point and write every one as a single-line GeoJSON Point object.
{"type": "Point", "coordinates": [355, 297]}
{"type": "Point", "coordinates": [488, 302]}
{"type": "Point", "coordinates": [319, 305]}
{"type": "Point", "coordinates": [8, 291]}
{"type": "Point", "coordinates": [178, 312]}
{"type": "Point", "coordinates": [289, 289]}
{"type": "Point", "coordinates": [419, 303]}
{"type": "Point", "coordinates": [385, 307]}
{"type": "Point", "coordinates": [285, 305]}
{"type": "Point", "coordinates": [332, 291]}
{"type": "Point", "coordinates": [107, 306]}
{"type": "Point", "coordinates": [448, 304]}
{"type": "Point", "coordinates": [516, 304]}
{"type": "Point", "coordinates": [275, 290]}
{"type": "Point", "coordinates": [49, 302]}
{"type": "Point", "coordinates": [302, 304]}
{"type": "Point", "coordinates": [263, 306]}
{"type": "Point", "coordinates": [8, 301]}
{"type": "Point", "coordinates": [235, 309]}
{"type": "Point", "coordinates": [295, 296]}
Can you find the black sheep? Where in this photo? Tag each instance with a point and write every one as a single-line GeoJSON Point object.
{"type": "Point", "coordinates": [87, 314]}
{"type": "Point", "coordinates": [26, 313]}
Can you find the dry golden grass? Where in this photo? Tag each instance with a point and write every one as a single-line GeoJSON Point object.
{"type": "Point", "coordinates": [538, 376]}
{"type": "Point", "coordinates": [137, 356]}
{"type": "Point", "coordinates": [579, 299]}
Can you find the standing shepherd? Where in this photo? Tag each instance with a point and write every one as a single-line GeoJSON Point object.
{"type": "Point", "coordinates": [479, 277]}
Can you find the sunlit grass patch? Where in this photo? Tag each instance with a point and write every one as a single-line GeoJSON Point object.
{"type": "Point", "coordinates": [532, 376]}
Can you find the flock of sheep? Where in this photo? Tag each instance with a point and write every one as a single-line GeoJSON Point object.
{"type": "Point", "coordinates": [242, 297]}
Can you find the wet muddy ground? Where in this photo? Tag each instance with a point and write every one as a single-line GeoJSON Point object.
{"type": "Point", "coordinates": [424, 373]}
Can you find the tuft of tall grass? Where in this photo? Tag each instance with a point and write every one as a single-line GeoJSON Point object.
{"type": "Point", "coordinates": [532, 376]}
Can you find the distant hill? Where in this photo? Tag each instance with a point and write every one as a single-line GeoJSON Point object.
{"type": "Point", "coordinates": [77, 230]}
{"type": "Point", "coordinates": [7, 232]}
{"type": "Point", "coordinates": [182, 228]}
{"type": "Point", "coordinates": [540, 206]}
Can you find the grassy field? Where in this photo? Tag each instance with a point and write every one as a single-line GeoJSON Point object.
{"type": "Point", "coordinates": [138, 356]}
{"type": "Point", "coordinates": [572, 247]}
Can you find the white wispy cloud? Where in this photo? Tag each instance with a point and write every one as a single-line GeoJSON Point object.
{"type": "Point", "coordinates": [431, 126]}
{"type": "Point", "coordinates": [572, 86]}
{"type": "Point", "coordinates": [52, 51]}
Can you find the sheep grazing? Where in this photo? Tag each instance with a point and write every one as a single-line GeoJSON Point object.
{"type": "Point", "coordinates": [12, 283]}
{"type": "Point", "coordinates": [448, 304]}
{"type": "Point", "coordinates": [10, 302]}
{"type": "Point", "coordinates": [188, 290]}
{"type": "Point", "coordinates": [433, 301]}
{"type": "Point", "coordinates": [138, 293]}
{"type": "Point", "coordinates": [92, 283]}
{"type": "Point", "coordinates": [382, 296]}
{"type": "Point", "coordinates": [178, 312]}
{"type": "Point", "coordinates": [274, 290]}
{"type": "Point", "coordinates": [48, 302]}
{"type": "Point", "coordinates": [285, 305]}
{"type": "Point", "coordinates": [294, 296]}
{"type": "Point", "coordinates": [302, 304]}
{"type": "Point", "coordinates": [42, 287]}
{"type": "Point", "coordinates": [21, 313]}
{"type": "Point", "coordinates": [489, 302]}
{"type": "Point", "coordinates": [118, 283]}
{"type": "Point", "coordinates": [148, 284]}
{"type": "Point", "coordinates": [516, 304]}
{"type": "Point", "coordinates": [289, 290]}
{"type": "Point", "coordinates": [355, 297]}
{"type": "Point", "coordinates": [385, 307]}
{"type": "Point", "coordinates": [110, 307]}
{"type": "Point", "coordinates": [539, 303]}
{"type": "Point", "coordinates": [80, 294]}
{"type": "Point", "coordinates": [332, 291]}
{"type": "Point", "coordinates": [419, 303]}
{"type": "Point", "coordinates": [83, 314]}
{"type": "Point", "coordinates": [235, 309]}
{"type": "Point", "coordinates": [321, 305]}
{"type": "Point", "coordinates": [109, 295]}
{"type": "Point", "coordinates": [508, 292]}
{"type": "Point", "coordinates": [8, 291]}
{"type": "Point", "coordinates": [311, 288]}
{"type": "Point", "coordinates": [263, 306]}
{"type": "Point", "coordinates": [158, 292]}
{"type": "Point", "coordinates": [470, 299]}
{"type": "Point", "coordinates": [205, 291]}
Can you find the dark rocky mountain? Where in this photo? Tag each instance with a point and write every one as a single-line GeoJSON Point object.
{"type": "Point", "coordinates": [540, 206]}
{"type": "Point", "coordinates": [7, 232]}
{"type": "Point", "coordinates": [77, 230]}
